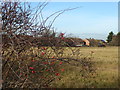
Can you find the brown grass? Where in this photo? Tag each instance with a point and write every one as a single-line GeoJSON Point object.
{"type": "Point", "coordinates": [106, 76]}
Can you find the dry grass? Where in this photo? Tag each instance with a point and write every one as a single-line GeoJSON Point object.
{"type": "Point", "coordinates": [106, 62]}
{"type": "Point", "coordinates": [106, 76]}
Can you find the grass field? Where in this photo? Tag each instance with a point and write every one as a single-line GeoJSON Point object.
{"type": "Point", "coordinates": [105, 62]}
{"type": "Point", "coordinates": [106, 76]}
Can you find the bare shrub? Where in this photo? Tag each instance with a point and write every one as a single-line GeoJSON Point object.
{"type": "Point", "coordinates": [33, 54]}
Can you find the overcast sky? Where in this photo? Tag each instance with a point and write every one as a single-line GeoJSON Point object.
{"type": "Point", "coordinates": [91, 20]}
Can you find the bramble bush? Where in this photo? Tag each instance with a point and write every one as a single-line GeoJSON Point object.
{"type": "Point", "coordinates": [33, 54]}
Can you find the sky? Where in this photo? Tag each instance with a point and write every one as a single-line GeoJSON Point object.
{"type": "Point", "coordinates": [90, 20]}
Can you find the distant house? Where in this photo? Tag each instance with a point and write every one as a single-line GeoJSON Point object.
{"type": "Point", "coordinates": [90, 42]}
{"type": "Point", "coordinates": [94, 42]}
{"type": "Point", "coordinates": [86, 42]}
{"type": "Point", "coordinates": [101, 43]}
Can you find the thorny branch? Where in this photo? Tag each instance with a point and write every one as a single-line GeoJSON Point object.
{"type": "Point", "coordinates": [32, 51]}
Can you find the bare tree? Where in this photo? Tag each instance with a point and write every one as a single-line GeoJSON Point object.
{"type": "Point", "coordinates": [27, 62]}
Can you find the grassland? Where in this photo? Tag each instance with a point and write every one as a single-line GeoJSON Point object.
{"type": "Point", "coordinates": [106, 76]}
{"type": "Point", "coordinates": [105, 62]}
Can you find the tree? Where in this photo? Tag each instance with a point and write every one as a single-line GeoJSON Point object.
{"type": "Point", "coordinates": [109, 38]}
{"type": "Point", "coordinates": [118, 33]}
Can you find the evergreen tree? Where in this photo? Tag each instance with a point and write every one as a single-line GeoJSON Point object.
{"type": "Point", "coordinates": [109, 38]}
